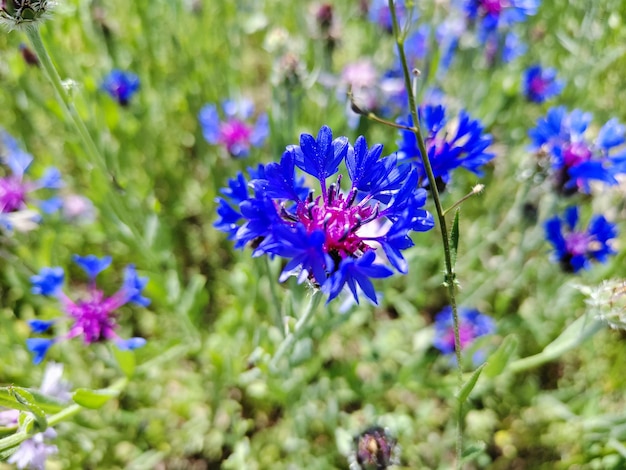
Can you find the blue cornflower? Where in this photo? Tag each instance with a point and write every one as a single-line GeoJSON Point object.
{"type": "Point", "coordinates": [121, 85]}
{"type": "Point", "coordinates": [540, 84]}
{"type": "Point", "coordinates": [466, 147]}
{"type": "Point", "coordinates": [472, 325]}
{"type": "Point", "coordinates": [15, 189]}
{"type": "Point", "coordinates": [94, 316]}
{"type": "Point", "coordinates": [236, 134]}
{"type": "Point", "coordinates": [574, 249]}
{"type": "Point", "coordinates": [380, 14]}
{"type": "Point", "coordinates": [329, 239]}
{"type": "Point", "coordinates": [575, 160]}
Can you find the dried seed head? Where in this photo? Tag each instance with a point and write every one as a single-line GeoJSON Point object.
{"type": "Point", "coordinates": [21, 14]}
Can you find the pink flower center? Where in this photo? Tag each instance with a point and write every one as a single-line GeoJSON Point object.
{"type": "Point", "coordinates": [575, 154]}
{"type": "Point", "coordinates": [12, 194]}
{"type": "Point", "coordinates": [92, 318]}
{"type": "Point", "coordinates": [235, 135]}
{"type": "Point", "coordinates": [466, 336]}
{"type": "Point", "coordinates": [339, 218]}
{"type": "Point", "coordinates": [538, 85]}
{"type": "Point", "coordinates": [494, 7]}
{"type": "Point", "coordinates": [577, 243]}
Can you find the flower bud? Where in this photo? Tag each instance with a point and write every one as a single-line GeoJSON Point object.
{"type": "Point", "coordinates": [375, 449]}
{"type": "Point", "coordinates": [17, 14]}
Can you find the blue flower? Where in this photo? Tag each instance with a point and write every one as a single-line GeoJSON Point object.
{"type": "Point", "coordinates": [236, 134]}
{"type": "Point", "coordinates": [93, 316]}
{"type": "Point", "coordinates": [330, 239]}
{"type": "Point", "coordinates": [120, 85]}
{"type": "Point", "coordinates": [472, 325]}
{"type": "Point", "coordinates": [540, 84]}
{"type": "Point", "coordinates": [380, 14]}
{"type": "Point", "coordinates": [575, 160]}
{"type": "Point", "coordinates": [466, 147]}
{"type": "Point", "coordinates": [575, 250]}
{"type": "Point", "coordinates": [15, 188]}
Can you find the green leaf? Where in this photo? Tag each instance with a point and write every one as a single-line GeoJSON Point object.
{"type": "Point", "coordinates": [454, 237]}
{"type": "Point", "coordinates": [501, 357]}
{"type": "Point", "coordinates": [93, 399]}
{"type": "Point", "coordinates": [26, 398]}
{"type": "Point", "coordinates": [470, 384]}
{"type": "Point", "coordinates": [125, 360]}
{"type": "Point", "coordinates": [473, 451]}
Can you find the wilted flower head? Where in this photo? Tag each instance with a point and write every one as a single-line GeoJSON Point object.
{"type": "Point", "coordinates": [15, 189]}
{"type": "Point", "coordinates": [19, 14]}
{"type": "Point", "coordinates": [472, 325]}
{"type": "Point", "coordinates": [575, 159]}
{"type": "Point", "coordinates": [93, 316]}
{"type": "Point", "coordinates": [540, 84]}
{"type": "Point", "coordinates": [375, 449]}
{"type": "Point", "coordinates": [607, 301]}
{"type": "Point", "coordinates": [464, 145]}
{"type": "Point", "coordinates": [121, 85]}
{"type": "Point", "coordinates": [575, 249]}
{"type": "Point", "coordinates": [236, 133]}
{"type": "Point", "coordinates": [330, 239]}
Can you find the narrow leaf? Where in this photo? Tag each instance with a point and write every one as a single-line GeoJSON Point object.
{"type": "Point", "coordinates": [27, 399]}
{"type": "Point", "coordinates": [501, 357]}
{"type": "Point", "coordinates": [125, 360]}
{"type": "Point", "coordinates": [93, 399]}
{"type": "Point", "coordinates": [470, 384]}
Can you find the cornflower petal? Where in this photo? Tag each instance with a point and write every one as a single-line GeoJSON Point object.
{"type": "Point", "coordinates": [39, 347]}
{"type": "Point", "coordinates": [134, 285]}
{"type": "Point", "coordinates": [48, 281]}
{"type": "Point", "coordinates": [40, 326]}
{"type": "Point", "coordinates": [92, 265]}
{"type": "Point", "coordinates": [130, 344]}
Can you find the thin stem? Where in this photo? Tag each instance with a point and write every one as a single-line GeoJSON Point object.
{"type": "Point", "coordinates": [450, 276]}
{"type": "Point", "coordinates": [298, 329]}
{"type": "Point", "coordinates": [89, 145]}
{"type": "Point", "coordinates": [475, 190]}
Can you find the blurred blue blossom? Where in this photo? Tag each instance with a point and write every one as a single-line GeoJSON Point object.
{"type": "Point", "coordinates": [472, 325]}
{"type": "Point", "coordinates": [15, 188]}
{"type": "Point", "coordinates": [575, 159]}
{"type": "Point", "coordinates": [540, 83]}
{"type": "Point", "coordinates": [448, 149]}
{"type": "Point", "coordinates": [329, 239]}
{"type": "Point", "coordinates": [380, 14]}
{"type": "Point", "coordinates": [121, 85]}
{"type": "Point", "coordinates": [94, 316]}
{"type": "Point", "coordinates": [236, 133]}
{"type": "Point", "coordinates": [574, 249]}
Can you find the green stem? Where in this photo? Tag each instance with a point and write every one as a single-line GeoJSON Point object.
{"type": "Point", "coordinates": [50, 70]}
{"type": "Point", "coordinates": [450, 281]}
{"type": "Point", "coordinates": [298, 329]}
{"type": "Point", "coordinates": [20, 436]}
{"type": "Point", "coordinates": [274, 295]}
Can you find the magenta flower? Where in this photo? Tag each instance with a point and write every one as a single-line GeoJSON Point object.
{"type": "Point", "coordinates": [236, 133]}
{"type": "Point", "coordinates": [94, 316]}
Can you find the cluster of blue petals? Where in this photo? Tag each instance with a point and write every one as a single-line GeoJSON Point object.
{"type": "Point", "coordinates": [576, 249]}
{"type": "Point", "coordinates": [93, 317]}
{"type": "Point", "coordinates": [329, 237]}
{"type": "Point", "coordinates": [120, 85]}
{"type": "Point", "coordinates": [575, 159]}
{"type": "Point", "coordinates": [236, 132]}
{"type": "Point", "coordinates": [472, 325]}
{"type": "Point", "coordinates": [540, 83]}
{"type": "Point", "coordinates": [466, 147]}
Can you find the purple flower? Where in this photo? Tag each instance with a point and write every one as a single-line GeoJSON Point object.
{"type": "Point", "coordinates": [575, 159]}
{"type": "Point", "coordinates": [329, 239]}
{"type": "Point", "coordinates": [447, 150]}
{"type": "Point", "coordinates": [574, 250]}
{"type": "Point", "coordinates": [540, 84]}
{"type": "Point", "coordinates": [376, 449]}
{"type": "Point", "coordinates": [120, 85]}
{"type": "Point", "coordinates": [94, 315]}
{"type": "Point", "coordinates": [472, 325]}
{"type": "Point", "coordinates": [236, 133]}
{"type": "Point", "coordinates": [380, 14]}
{"type": "Point", "coordinates": [15, 188]}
